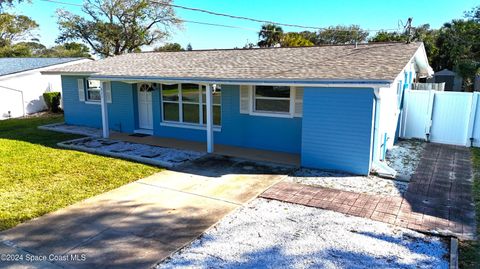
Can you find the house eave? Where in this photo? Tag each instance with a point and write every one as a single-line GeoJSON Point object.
{"type": "Point", "coordinates": [355, 83]}
{"type": "Point", "coordinates": [48, 72]}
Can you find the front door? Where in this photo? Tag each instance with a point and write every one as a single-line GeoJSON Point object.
{"type": "Point", "coordinates": [145, 114]}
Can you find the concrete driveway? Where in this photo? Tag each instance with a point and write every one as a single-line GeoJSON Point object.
{"type": "Point", "coordinates": [141, 223]}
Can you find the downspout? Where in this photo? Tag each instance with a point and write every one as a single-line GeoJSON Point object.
{"type": "Point", "coordinates": [380, 168]}
{"type": "Point", "coordinates": [21, 93]}
{"type": "Point", "coordinates": [376, 116]}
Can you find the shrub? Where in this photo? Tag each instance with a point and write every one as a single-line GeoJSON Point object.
{"type": "Point", "coordinates": [52, 100]}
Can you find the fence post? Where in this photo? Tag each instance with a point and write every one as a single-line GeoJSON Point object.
{"type": "Point", "coordinates": [471, 120]}
{"type": "Point", "coordinates": [428, 123]}
{"type": "Point", "coordinates": [404, 113]}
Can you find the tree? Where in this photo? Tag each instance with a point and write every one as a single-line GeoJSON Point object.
{"type": "Point", "coordinates": [473, 14]}
{"type": "Point", "coordinates": [189, 47]}
{"type": "Point", "coordinates": [295, 40]}
{"type": "Point", "coordinates": [342, 35]}
{"type": "Point", "coordinates": [34, 48]}
{"type": "Point", "coordinates": [384, 36]}
{"type": "Point", "coordinates": [468, 69]}
{"type": "Point", "coordinates": [113, 27]}
{"type": "Point", "coordinates": [16, 50]}
{"type": "Point", "coordinates": [311, 36]}
{"type": "Point", "coordinates": [457, 40]}
{"type": "Point", "coordinates": [249, 45]}
{"type": "Point", "coordinates": [169, 47]}
{"type": "Point", "coordinates": [71, 49]}
{"type": "Point", "coordinates": [14, 28]}
{"type": "Point", "coordinates": [270, 35]}
{"type": "Point", "coordinates": [429, 38]}
{"type": "Point", "coordinates": [421, 33]}
{"type": "Point", "coordinates": [8, 3]}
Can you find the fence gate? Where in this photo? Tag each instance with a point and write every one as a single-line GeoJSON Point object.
{"type": "Point", "coordinates": [442, 117]}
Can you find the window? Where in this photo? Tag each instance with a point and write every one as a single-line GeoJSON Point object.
{"type": "Point", "coordinates": [271, 99]}
{"type": "Point", "coordinates": [216, 107]}
{"type": "Point", "coordinates": [170, 102]}
{"type": "Point", "coordinates": [186, 103]}
{"type": "Point", "coordinates": [93, 90]}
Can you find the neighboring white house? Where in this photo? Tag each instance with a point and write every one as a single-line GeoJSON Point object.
{"type": "Point", "coordinates": [22, 85]}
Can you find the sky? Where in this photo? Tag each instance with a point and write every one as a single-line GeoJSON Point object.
{"type": "Point", "coordinates": [369, 14]}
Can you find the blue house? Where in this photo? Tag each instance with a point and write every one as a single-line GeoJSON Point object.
{"type": "Point", "coordinates": [335, 107]}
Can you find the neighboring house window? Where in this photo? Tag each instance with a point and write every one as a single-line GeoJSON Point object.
{"type": "Point", "coordinates": [186, 103]}
{"type": "Point", "coordinates": [272, 99]}
{"type": "Point", "coordinates": [93, 90]}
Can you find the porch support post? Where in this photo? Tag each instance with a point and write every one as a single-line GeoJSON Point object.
{"type": "Point", "coordinates": [209, 119]}
{"type": "Point", "coordinates": [103, 102]}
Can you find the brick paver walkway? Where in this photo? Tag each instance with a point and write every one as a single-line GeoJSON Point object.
{"type": "Point", "coordinates": [438, 199]}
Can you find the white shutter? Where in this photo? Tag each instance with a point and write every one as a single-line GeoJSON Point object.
{"type": "Point", "coordinates": [298, 102]}
{"type": "Point", "coordinates": [81, 90]}
{"type": "Point", "coordinates": [108, 91]}
{"type": "Point", "coordinates": [245, 99]}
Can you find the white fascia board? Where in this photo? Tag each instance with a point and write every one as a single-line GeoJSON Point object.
{"type": "Point", "coordinates": [421, 60]}
{"type": "Point", "coordinates": [294, 83]}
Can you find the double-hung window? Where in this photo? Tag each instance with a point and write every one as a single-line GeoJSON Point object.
{"type": "Point", "coordinates": [186, 103]}
{"type": "Point", "coordinates": [93, 90]}
{"type": "Point", "coordinates": [272, 99]}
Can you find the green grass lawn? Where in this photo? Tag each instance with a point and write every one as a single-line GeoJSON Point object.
{"type": "Point", "coordinates": [469, 253]}
{"type": "Point", "coordinates": [37, 177]}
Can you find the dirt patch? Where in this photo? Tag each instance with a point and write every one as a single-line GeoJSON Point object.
{"type": "Point", "coordinates": [404, 157]}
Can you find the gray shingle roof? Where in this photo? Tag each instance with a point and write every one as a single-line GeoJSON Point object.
{"type": "Point", "coordinates": [380, 62]}
{"type": "Point", "coordinates": [16, 65]}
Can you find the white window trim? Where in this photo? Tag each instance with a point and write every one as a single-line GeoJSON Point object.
{"type": "Point", "coordinates": [188, 125]}
{"type": "Point", "coordinates": [181, 124]}
{"type": "Point", "coordinates": [87, 89]}
{"type": "Point", "coordinates": [289, 114]}
{"type": "Point", "coordinates": [93, 103]}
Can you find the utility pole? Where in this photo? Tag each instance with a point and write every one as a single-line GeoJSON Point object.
{"type": "Point", "coordinates": [408, 29]}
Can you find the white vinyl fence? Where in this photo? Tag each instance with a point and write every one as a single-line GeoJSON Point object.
{"type": "Point", "coordinates": [442, 117]}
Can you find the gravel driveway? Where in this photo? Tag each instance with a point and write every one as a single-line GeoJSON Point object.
{"type": "Point", "coordinates": [272, 234]}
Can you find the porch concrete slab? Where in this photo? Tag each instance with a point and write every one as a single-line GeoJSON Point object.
{"type": "Point", "coordinates": [225, 150]}
{"type": "Point", "coordinates": [141, 223]}
{"type": "Point", "coordinates": [72, 129]}
{"type": "Point", "coordinates": [155, 155]}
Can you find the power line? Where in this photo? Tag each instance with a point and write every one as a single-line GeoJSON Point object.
{"type": "Point", "coordinates": [219, 25]}
{"type": "Point", "coordinates": [237, 17]}
{"type": "Point", "coordinates": [64, 3]}
{"type": "Point", "coordinates": [262, 21]}
{"type": "Point", "coordinates": [233, 16]}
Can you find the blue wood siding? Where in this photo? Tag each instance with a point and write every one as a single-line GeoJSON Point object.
{"type": "Point", "coordinates": [121, 112]}
{"type": "Point", "coordinates": [243, 130]}
{"type": "Point", "coordinates": [76, 112]}
{"type": "Point", "coordinates": [337, 129]}
{"type": "Point", "coordinates": [269, 133]}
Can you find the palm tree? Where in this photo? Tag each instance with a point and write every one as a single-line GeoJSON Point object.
{"type": "Point", "coordinates": [270, 35]}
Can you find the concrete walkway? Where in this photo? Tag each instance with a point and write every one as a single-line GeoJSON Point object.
{"type": "Point", "coordinates": [438, 199]}
{"type": "Point", "coordinates": [141, 223]}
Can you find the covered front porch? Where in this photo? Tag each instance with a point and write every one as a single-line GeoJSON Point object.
{"type": "Point", "coordinates": [143, 148]}
{"type": "Point", "coordinates": [225, 150]}
{"type": "Point", "coordinates": [203, 118]}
